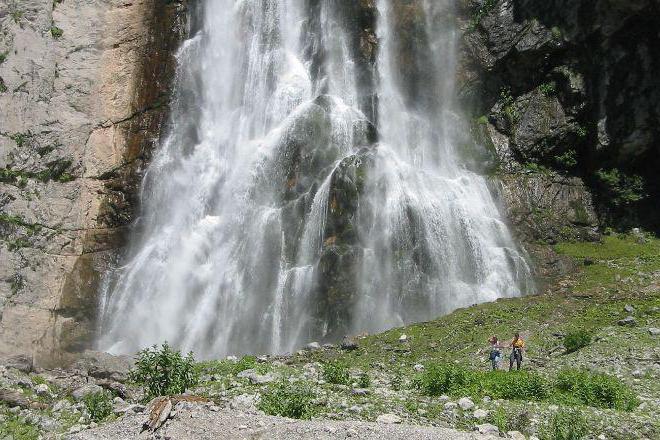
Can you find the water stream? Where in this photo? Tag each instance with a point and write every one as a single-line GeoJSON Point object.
{"type": "Point", "coordinates": [306, 191]}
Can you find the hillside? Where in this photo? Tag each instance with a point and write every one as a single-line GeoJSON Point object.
{"type": "Point", "coordinates": [614, 295]}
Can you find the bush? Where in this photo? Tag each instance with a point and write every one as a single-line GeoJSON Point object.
{"type": "Point", "coordinates": [17, 428]}
{"type": "Point", "coordinates": [622, 189]}
{"type": "Point", "coordinates": [515, 385]}
{"type": "Point", "coordinates": [565, 425]}
{"type": "Point", "coordinates": [440, 379]}
{"type": "Point", "coordinates": [164, 372]}
{"type": "Point", "coordinates": [577, 340]}
{"type": "Point", "coordinates": [99, 405]}
{"type": "Point", "coordinates": [596, 389]}
{"type": "Point", "coordinates": [287, 400]}
{"type": "Point", "coordinates": [364, 381]}
{"type": "Point", "coordinates": [337, 373]}
{"type": "Point", "coordinates": [510, 420]}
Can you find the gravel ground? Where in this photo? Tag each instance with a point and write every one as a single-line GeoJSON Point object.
{"type": "Point", "coordinates": [201, 423]}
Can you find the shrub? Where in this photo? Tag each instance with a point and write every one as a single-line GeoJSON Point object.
{"type": "Point", "coordinates": [547, 89]}
{"type": "Point", "coordinates": [514, 385]}
{"type": "Point", "coordinates": [596, 389]}
{"type": "Point", "coordinates": [364, 380]}
{"type": "Point", "coordinates": [397, 380]}
{"type": "Point", "coordinates": [17, 428]}
{"type": "Point", "coordinates": [56, 32]}
{"type": "Point", "coordinates": [287, 400]}
{"type": "Point", "coordinates": [510, 420]}
{"type": "Point", "coordinates": [620, 188]}
{"type": "Point", "coordinates": [565, 425]}
{"type": "Point", "coordinates": [164, 371]}
{"type": "Point", "coordinates": [99, 405]}
{"type": "Point", "coordinates": [336, 372]}
{"type": "Point", "coordinates": [567, 159]}
{"type": "Point", "coordinates": [577, 340]}
{"type": "Point", "coordinates": [440, 379]}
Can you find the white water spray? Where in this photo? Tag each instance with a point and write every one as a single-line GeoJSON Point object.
{"type": "Point", "coordinates": [270, 217]}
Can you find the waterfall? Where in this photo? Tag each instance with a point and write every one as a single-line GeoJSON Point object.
{"type": "Point", "coordinates": [306, 191]}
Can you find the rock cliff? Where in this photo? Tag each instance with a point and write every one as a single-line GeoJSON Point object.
{"type": "Point", "coordinates": [83, 93]}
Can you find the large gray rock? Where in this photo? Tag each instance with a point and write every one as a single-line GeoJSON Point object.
{"type": "Point", "coordinates": [21, 362]}
{"type": "Point", "coordinates": [104, 365]}
{"type": "Point", "coordinates": [80, 393]}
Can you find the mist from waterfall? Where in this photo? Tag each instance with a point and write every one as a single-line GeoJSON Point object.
{"type": "Point", "coordinates": [302, 193]}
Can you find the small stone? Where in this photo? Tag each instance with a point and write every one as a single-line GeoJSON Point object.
{"type": "Point", "coordinates": [553, 408]}
{"type": "Point", "coordinates": [628, 321]}
{"type": "Point", "coordinates": [450, 405]}
{"type": "Point", "coordinates": [480, 414]}
{"type": "Point", "coordinates": [75, 428]}
{"type": "Point", "coordinates": [41, 389]}
{"type": "Point", "coordinates": [637, 373]}
{"type": "Point", "coordinates": [242, 427]}
{"type": "Point", "coordinates": [349, 344]}
{"type": "Point", "coordinates": [360, 391]}
{"type": "Point", "coordinates": [629, 309]}
{"type": "Point", "coordinates": [466, 403]}
{"type": "Point", "coordinates": [118, 400]}
{"type": "Point", "coordinates": [330, 429]}
{"type": "Point", "coordinates": [313, 346]}
{"type": "Point", "coordinates": [329, 346]}
{"type": "Point", "coordinates": [602, 437]}
{"type": "Point", "coordinates": [231, 358]}
{"type": "Point", "coordinates": [214, 408]}
{"type": "Point", "coordinates": [418, 367]}
{"type": "Point", "coordinates": [355, 409]}
{"type": "Point", "coordinates": [516, 435]}
{"type": "Point", "coordinates": [653, 331]}
{"type": "Point", "coordinates": [443, 398]}
{"type": "Point", "coordinates": [80, 393]}
{"type": "Point", "coordinates": [487, 429]}
{"type": "Point", "coordinates": [403, 338]}
{"type": "Point", "coordinates": [388, 419]}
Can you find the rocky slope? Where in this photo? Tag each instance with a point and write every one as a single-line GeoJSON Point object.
{"type": "Point", "coordinates": [615, 296]}
{"type": "Point", "coordinates": [83, 88]}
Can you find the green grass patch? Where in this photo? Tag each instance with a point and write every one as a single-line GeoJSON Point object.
{"type": "Point", "coordinates": [565, 425]}
{"type": "Point", "coordinates": [336, 372]}
{"type": "Point", "coordinates": [576, 340]}
{"type": "Point", "coordinates": [596, 389]}
{"type": "Point", "coordinates": [293, 400]}
{"type": "Point", "coordinates": [17, 428]}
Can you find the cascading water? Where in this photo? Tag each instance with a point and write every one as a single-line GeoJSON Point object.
{"type": "Point", "coordinates": [270, 215]}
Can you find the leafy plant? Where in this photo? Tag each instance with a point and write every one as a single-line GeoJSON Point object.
{"type": "Point", "coordinates": [567, 159]}
{"type": "Point", "coordinates": [56, 32]}
{"type": "Point", "coordinates": [565, 425]}
{"type": "Point", "coordinates": [508, 105]}
{"type": "Point", "coordinates": [17, 428]}
{"type": "Point", "coordinates": [573, 341]}
{"type": "Point", "coordinates": [596, 389]}
{"type": "Point", "coordinates": [3, 56]}
{"type": "Point", "coordinates": [99, 405]}
{"type": "Point", "coordinates": [336, 372]}
{"type": "Point", "coordinates": [485, 8]}
{"type": "Point", "coordinates": [548, 89]}
{"type": "Point", "coordinates": [364, 380]}
{"type": "Point", "coordinates": [164, 371]}
{"type": "Point", "coordinates": [287, 400]}
{"type": "Point", "coordinates": [622, 189]}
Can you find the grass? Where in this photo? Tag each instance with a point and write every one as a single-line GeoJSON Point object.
{"type": "Point", "coordinates": [576, 340]}
{"type": "Point", "coordinates": [288, 400]}
{"type": "Point", "coordinates": [99, 405]}
{"type": "Point", "coordinates": [565, 425]}
{"type": "Point", "coordinates": [17, 428]}
{"type": "Point", "coordinates": [336, 372]}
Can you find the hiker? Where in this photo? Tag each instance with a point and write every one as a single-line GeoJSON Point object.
{"type": "Point", "coordinates": [495, 353]}
{"type": "Point", "coordinates": [517, 346]}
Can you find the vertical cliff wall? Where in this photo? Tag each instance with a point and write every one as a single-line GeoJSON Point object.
{"type": "Point", "coordinates": [84, 88]}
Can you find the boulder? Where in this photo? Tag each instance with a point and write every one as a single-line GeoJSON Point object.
{"type": "Point", "coordinates": [653, 331]}
{"type": "Point", "coordinates": [42, 389]}
{"type": "Point", "coordinates": [516, 435]}
{"type": "Point", "coordinates": [80, 393]}
{"type": "Point", "coordinates": [628, 321]}
{"type": "Point", "coordinates": [349, 344]}
{"type": "Point", "coordinates": [466, 403]}
{"type": "Point", "coordinates": [360, 392]}
{"type": "Point", "coordinates": [388, 419]}
{"type": "Point", "coordinates": [480, 414]}
{"type": "Point", "coordinates": [104, 365]}
{"type": "Point", "coordinates": [313, 346]}
{"type": "Point", "coordinates": [14, 398]}
{"type": "Point", "coordinates": [629, 309]}
{"type": "Point", "coordinates": [403, 338]}
{"type": "Point", "coordinates": [418, 367]}
{"type": "Point", "coordinates": [20, 362]}
{"type": "Point", "coordinates": [487, 429]}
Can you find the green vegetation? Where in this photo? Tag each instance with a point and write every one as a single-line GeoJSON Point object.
{"type": "Point", "coordinates": [483, 10]}
{"type": "Point", "coordinates": [565, 425]}
{"type": "Point", "coordinates": [596, 389]}
{"type": "Point", "coordinates": [21, 139]}
{"type": "Point", "coordinates": [57, 171]}
{"type": "Point", "coordinates": [3, 86]}
{"type": "Point", "coordinates": [364, 380]}
{"type": "Point", "coordinates": [56, 32]}
{"type": "Point", "coordinates": [17, 428]}
{"type": "Point", "coordinates": [508, 105]}
{"type": "Point", "coordinates": [567, 160]}
{"type": "Point", "coordinates": [164, 371]}
{"type": "Point", "coordinates": [548, 89]}
{"type": "Point", "coordinates": [620, 188]}
{"type": "Point", "coordinates": [99, 405]}
{"type": "Point", "coordinates": [336, 372]}
{"type": "Point", "coordinates": [3, 56]}
{"type": "Point", "coordinates": [576, 340]}
{"type": "Point", "coordinates": [286, 399]}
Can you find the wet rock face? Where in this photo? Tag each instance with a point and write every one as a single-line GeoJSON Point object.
{"type": "Point", "coordinates": [83, 97]}
{"type": "Point", "coordinates": [571, 85]}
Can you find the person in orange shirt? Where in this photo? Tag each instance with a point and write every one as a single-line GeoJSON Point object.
{"type": "Point", "coordinates": [517, 345]}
